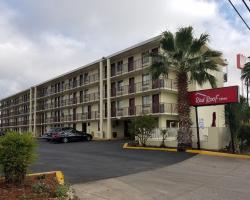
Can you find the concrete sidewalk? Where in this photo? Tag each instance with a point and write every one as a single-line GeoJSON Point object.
{"type": "Point", "coordinates": [200, 177]}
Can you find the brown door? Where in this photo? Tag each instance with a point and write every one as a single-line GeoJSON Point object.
{"type": "Point", "coordinates": [74, 114]}
{"type": "Point", "coordinates": [81, 96]}
{"type": "Point", "coordinates": [84, 127]}
{"type": "Point", "coordinates": [132, 85]}
{"type": "Point", "coordinates": [113, 109]}
{"type": "Point", "coordinates": [89, 111]}
{"type": "Point", "coordinates": [113, 69]}
{"type": "Point", "coordinates": [155, 103]}
{"type": "Point", "coordinates": [113, 89]}
{"type": "Point", "coordinates": [130, 64]}
{"type": "Point", "coordinates": [132, 106]}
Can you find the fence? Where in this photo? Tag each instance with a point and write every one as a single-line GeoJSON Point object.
{"type": "Point", "coordinates": [210, 137]}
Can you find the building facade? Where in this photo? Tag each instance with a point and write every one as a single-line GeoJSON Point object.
{"type": "Point", "coordinates": [102, 97]}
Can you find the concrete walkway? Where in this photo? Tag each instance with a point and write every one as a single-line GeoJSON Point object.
{"type": "Point", "coordinates": [197, 178]}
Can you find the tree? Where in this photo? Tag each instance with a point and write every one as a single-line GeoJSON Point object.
{"type": "Point", "coordinates": [17, 152]}
{"type": "Point", "coordinates": [142, 128]}
{"type": "Point", "coordinates": [193, 61]}
{"type": "Point", "coordinates": [237, 115]}
{"type": "Point", "coordinates": [245, 76]}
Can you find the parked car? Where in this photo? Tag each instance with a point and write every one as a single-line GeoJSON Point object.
{"type": "Point", "coordinates": [2, 133]}
{"type": "Point", "coordinates": [71, 135]}
{"type": "Point", "coordinates": [49, 133]}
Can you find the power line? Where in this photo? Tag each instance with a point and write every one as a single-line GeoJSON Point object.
{"type": "Point", "coordinates": [239, 14]}
{"type": "Point", "coordinates": [246, 5]}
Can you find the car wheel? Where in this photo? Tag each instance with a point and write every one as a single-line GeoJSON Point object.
{"type": "Point", "coordinates": [65, 140]}
{"type": "Point", "coordinates": [89, 138]}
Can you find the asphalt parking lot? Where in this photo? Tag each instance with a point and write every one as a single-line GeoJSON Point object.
{"type": "Point", "coordinates": [101, 170]}
{"type": "Point", "coordinates": [95, 160]}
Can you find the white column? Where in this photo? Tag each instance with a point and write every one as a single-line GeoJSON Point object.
{"type": "Point", "coordinates": [35, 94]}
{"type": "Point", "coordinates": [30, 112]}
{"type": "Point", "coordinates": [101, 98]}
{"type": "Point", "coordinates": [108, 100]}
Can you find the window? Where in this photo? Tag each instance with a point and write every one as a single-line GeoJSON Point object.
{"type": "Point", "coordinates": [119, 105]}
{"type": "Point", "coordinates": [145, 101]}
{"type": "Point", "coordinates": [120, 86]}
{"type": "Point", "coordinates": [145, 79]}
{"type": "Point", "coordinates": [86, 77]}
{"type": "Point", "coordinates": [155, 50]}
{"type": "Point", "coordinates": [70, 83]}
{"type": "Point", "coordinates": [119, 66]}
{"type": "Point", "coordinates": [62, 86]}
{"type": "Point", "coordinates": [172, 124]}
{"type": "Point", "coordinates": [145, 57]}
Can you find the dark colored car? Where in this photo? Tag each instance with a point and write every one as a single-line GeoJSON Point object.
{"type": "Point", "coordinates": [51, 131]}
{"type": "Point", "coordinates": [2, 133]}
{"type": "Point", "coordinates": [71, 135]}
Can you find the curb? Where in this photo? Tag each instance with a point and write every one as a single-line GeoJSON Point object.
{"type": "Point", "coordinates": [193, 151]}
{"type": "Point", "coordinates": [59, 176]}
{"type": "Point", "coordinates": [125, 146]}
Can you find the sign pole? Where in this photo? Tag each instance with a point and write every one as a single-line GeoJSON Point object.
{"type": "Point", "coordinates": [197, 128]}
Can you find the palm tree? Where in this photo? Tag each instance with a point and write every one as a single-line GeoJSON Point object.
{"type": "Point", "coordinates": [193, 61]}
{"type": "Point", "coordinates": [245, 76]}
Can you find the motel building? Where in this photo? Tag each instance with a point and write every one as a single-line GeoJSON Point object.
{"type": "Point", "coordinates": [102, 97]}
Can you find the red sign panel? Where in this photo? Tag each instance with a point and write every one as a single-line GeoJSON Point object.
{"type": "Point", "coordinates": [215, 96]}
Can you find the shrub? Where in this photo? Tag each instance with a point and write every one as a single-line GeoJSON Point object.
{"type": "Point", "coordinates": [142, 128]}
{"type": "Point", "coordinates": [244, 137]}
{"type": "Point", "coordinates": [40, 188]}
{"type": "Point", "coordinates": [61, 191]}
{"type": "Point", "coordinates": [164, 134]}
{"type": "Point", "coordinates": [17, 152]}
{"type": "Point", "coordinates": [24, 197]}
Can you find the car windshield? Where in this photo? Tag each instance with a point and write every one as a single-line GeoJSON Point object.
{"type": "Point", "coordinates": [54, 130]}
{"type": "Point", "coordinates": [66, 128]}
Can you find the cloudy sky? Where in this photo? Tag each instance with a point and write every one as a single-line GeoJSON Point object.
{"type": "Point", "coordinates": [42, 39]}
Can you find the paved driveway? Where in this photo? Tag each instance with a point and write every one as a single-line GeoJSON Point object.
{"type": "Point", "coordinates": [103, 170]}
{"type": "Point", "coordinates": [95, 160]}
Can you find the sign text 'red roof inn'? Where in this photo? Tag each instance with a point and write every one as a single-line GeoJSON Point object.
{"type": "Point", "coordinates": [215, 96]}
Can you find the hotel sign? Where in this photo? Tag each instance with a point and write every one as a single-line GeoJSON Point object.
{"type": "Point", "coordinates": [215, 96]}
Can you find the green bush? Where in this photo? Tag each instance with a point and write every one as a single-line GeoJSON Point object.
{"type": "Point", "coordinates": [17, 152]}
{"type": "Point", "coordinates": [40, 188]}
{"type": "Point", "coordinates": [142, 128]}
{"type": "Point", "coordinates": [244, 137]}
{"type": "Point", "coordinates": [61, 191]}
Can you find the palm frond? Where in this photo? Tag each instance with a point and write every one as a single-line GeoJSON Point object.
{"type": "Point", "coordinates": [203, 77]}
{"type": "Point", "coordinates": [184, 38]}
{"type": "Point", "coordinates": [167, 42]}
{"type": "Point", "coordinates": [159, 66]}
{"type": "Point", "coordinates": [199, 43]}
{"type": "Point", "coordinates": [212, 54]}
{"type": "Point", "coordinates": [245, 73]}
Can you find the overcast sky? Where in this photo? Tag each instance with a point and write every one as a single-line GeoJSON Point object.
{"type": "Point", "coordinates": [42, 39]}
